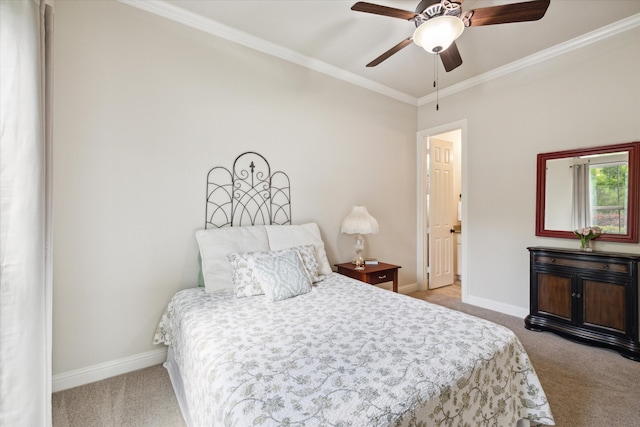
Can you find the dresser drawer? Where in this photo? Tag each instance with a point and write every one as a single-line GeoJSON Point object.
{"type": "Point", "coordinates": [582, 264]}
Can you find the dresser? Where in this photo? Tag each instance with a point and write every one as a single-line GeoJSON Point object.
{"type": "Point", "coordinates": [590, 297]}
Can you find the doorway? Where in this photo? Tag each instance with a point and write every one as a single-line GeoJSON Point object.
{"type": "Point", "coordinates": [441, 213]}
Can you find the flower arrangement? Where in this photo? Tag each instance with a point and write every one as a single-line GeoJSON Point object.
{"type": "Point", "coordinates": [586, 235]}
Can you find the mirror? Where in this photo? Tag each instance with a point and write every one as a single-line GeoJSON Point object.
{"type": "Point", "coordinates": [588, 187]}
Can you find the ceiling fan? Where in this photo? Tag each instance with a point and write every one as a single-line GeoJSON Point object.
{"type": "Point", "coordinates": [440, 22]}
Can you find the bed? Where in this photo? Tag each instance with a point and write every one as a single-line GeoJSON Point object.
{"type": "Point", "coordinates": [275, 338]}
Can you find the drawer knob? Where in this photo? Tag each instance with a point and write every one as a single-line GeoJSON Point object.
{"type": "Point", "coordinates": [382, 277]}
{"type": "Point", "coordinates": [605, 266]}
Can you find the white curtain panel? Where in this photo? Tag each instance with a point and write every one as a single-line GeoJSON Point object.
{"type": "Point", "coordinates": [25, 219]}
{"type": "Point", "coordinates": [581, 201]}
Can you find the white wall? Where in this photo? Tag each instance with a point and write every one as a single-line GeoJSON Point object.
{"type": "Point", "coordinates": [586, 98]}
{"type": "Point", "coordinates": [143, 108]}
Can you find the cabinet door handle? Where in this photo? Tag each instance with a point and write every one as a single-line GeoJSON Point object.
{"type": "Point", "coordinates": [573, 294]}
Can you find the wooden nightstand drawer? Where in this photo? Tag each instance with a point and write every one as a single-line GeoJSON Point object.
{"type": "Point", "coordinates": [381, 277]}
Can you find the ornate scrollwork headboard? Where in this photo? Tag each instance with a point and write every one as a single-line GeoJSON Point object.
{"type": "Point", "coordinates": [248, 194]}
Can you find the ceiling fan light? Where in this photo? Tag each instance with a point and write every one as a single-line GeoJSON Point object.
{"type": "Point", "coordinates": [437, 34]}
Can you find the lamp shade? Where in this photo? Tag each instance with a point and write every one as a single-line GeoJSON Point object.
{"type": "Point", "coordinates": [437, 34]}
{"type": "Point", "coordinates": [359, 221]}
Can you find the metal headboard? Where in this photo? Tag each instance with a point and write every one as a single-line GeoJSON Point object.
{"type": "Point", "coordinates": [248, 194]}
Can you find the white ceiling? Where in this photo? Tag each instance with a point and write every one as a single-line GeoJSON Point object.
{"type": "Point", "coordinates": [327, 35]}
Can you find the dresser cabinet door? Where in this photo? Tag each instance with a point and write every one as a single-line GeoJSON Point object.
{"type": "Point", "coordinates": [604, 306]}
{"type": "Point", "coordinates": [554, 295]}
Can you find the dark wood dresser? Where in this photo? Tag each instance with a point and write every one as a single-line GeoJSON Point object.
{"type": "Point", "coordinates": [590, 297]}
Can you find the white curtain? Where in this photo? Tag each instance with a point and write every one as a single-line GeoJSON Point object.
{"type": "Point", "coordinates": [581, 200]}
{"type": "Point", "coordinates": [25, 213]}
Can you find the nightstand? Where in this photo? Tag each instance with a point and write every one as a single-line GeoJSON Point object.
{"type": "Point", "coordinates": [372, 274]}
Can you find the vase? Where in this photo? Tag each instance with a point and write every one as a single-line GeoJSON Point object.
{"type": "Point", "coordinates": [585, 245]}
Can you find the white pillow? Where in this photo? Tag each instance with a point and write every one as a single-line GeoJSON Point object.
{"type": "Point", "coordinates": [282, 276]}
{"type": "Point", "coordinates": [288, 236]}
{"type": "Point", "coordinates": [216, 243]}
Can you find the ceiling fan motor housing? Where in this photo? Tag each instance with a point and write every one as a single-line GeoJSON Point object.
{"type": "Point", "coordinates": [445, 7]}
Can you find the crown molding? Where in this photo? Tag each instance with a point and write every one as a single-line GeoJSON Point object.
{"type": "Point", "coordinates": [210, 26]}
{"type": "Point", "coordinates": [544, 55]}
{"type": "Point", "coordinates": [193, 20]}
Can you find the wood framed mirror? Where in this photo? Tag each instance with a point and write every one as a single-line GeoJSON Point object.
{"type": "Point", "coordinates": [588, 187]}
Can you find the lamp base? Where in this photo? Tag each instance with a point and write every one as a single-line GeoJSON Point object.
{"type": "Point", "coordinates": [359, 247]}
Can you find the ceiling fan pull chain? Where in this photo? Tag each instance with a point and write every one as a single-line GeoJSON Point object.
{"type": "Point", "coordinates": [435, 79]}
{"type": "Point", "coordinates": [434, 71]}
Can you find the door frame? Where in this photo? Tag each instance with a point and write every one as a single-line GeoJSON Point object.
{"type": "Point", "coordinates": [422, 139]}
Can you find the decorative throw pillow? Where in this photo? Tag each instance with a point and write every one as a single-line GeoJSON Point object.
{"type": "Point", "coordinates": [242, 273]}
{"type": "Point", "coordinates": [283, 276]}
{"type": "Point", "coordinates": [243, 265]}
{"type": "Point", "coordinates": [310, 262]}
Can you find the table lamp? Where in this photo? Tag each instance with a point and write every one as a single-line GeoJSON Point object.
{"type": "Point", "coordinates": [359, 222]}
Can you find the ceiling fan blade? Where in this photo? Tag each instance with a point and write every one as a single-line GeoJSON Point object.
{"type": "Point", "coordinates": [404, 43]}
{"type": "Point", "coordinates": [515, 12]}
{"type": "Point", "coordinates": [451, 58]}
{"type": "Point", "coordinates": [383, 10]}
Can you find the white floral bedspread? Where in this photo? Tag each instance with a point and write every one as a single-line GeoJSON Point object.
{"type": "Point", "coordinates": [346, 354]}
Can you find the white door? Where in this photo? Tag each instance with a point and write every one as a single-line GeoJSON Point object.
{"type": "Point", "coordinates": [441, 244]}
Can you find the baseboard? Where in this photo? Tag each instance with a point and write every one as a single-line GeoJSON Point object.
{"type": "Point", "coordinates": [102, 371]}
{"type": "Point", "coordinates": [402, 289]}
{"type": "Point", "coordinates": [496, 306]}
{"type": "Point", "coordinates": [407, 289]}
